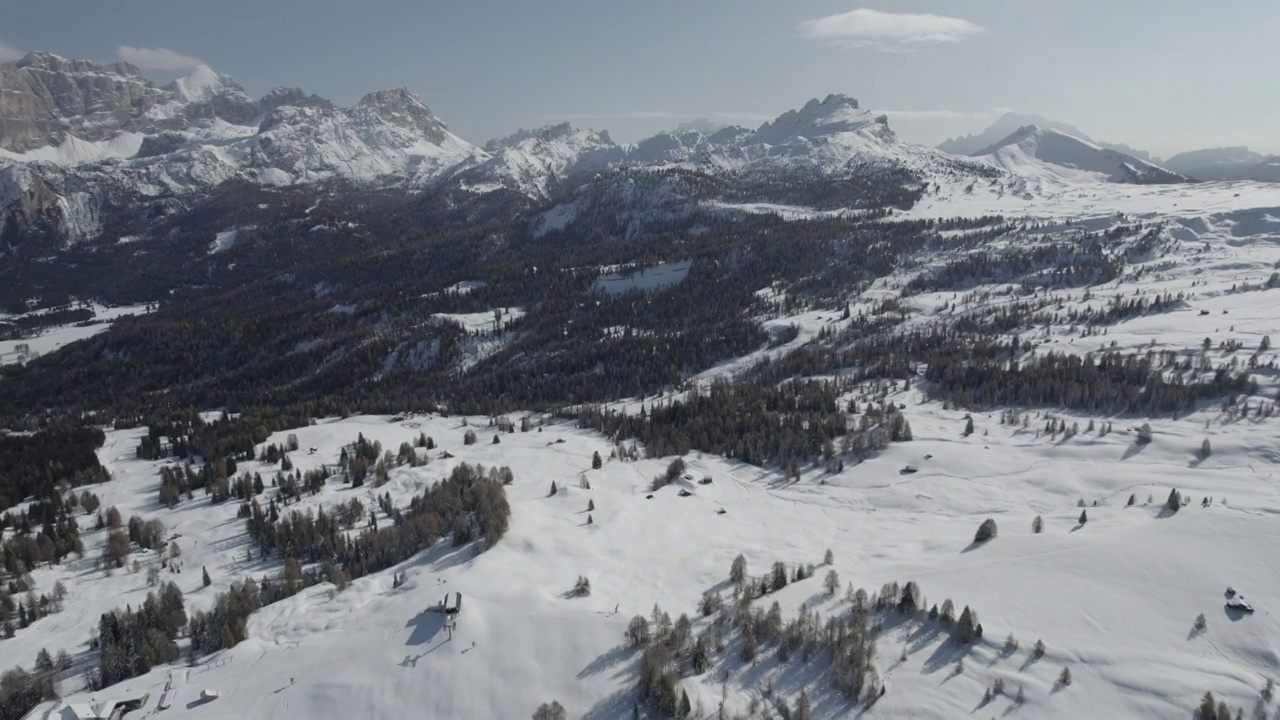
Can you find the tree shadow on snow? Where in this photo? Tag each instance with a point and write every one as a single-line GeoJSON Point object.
{"type": "Point", "coordinates": [946, 653]}
{"type": "Point", "coordinates": [426, 625]}
{"type": "Point", "coordinates": [1234, 614]}
{"type": "Point", "coordinates": [974, 545]}
{"type": "Point", "coordinates": [617, 705]}
{"type": "Point", "coordinates": [1132, 450]}
{"type": "Point", "coordinates": [443, 555]}
{"type": "Point", "coordinates": [607, 660]}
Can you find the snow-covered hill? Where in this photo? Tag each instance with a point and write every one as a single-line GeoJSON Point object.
{"type": "Point", "coordinates": [1114, 600]}
{"type": "Point", "coordinates": [1038, 152]}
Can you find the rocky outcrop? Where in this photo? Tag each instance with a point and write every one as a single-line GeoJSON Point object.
{"type": "Point", "coordinates": [45, 98]}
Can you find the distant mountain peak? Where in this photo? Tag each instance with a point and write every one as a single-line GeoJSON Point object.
{"type": "Point", "coordinates": [1035, 150]}
{"type": "Point", "coordinates": [1011, 122]}
{"type": "Point", "coordinates": [836, 113]}
{"type": "Point", "coordinates": [202, 85]}
{"type": "Point", "coordinates": [1225, 163]}
{"type": "Point", "coordinates": [563, 131]}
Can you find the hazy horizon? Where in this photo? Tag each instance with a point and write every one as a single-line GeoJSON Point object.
{"type": "Point", "coordinates": [1163, 82]}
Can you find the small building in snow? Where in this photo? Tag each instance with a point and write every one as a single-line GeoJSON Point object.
{"type": "Point", "coordinates": [80, 711]}
{"type": "Point", "coordinates": [209, 695]}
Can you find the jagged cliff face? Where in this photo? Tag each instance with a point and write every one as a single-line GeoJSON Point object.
{"type": "Point", "coordinates": [45, 98]}
{"type": "Point", "coordinates": [77, 136]}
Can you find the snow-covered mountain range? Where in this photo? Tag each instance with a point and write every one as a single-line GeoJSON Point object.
{"type": "Point", "coordinates": [80, 141]}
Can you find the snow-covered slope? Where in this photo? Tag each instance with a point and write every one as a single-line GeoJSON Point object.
{"type": "Point", "coordinates": [1114, 599]}
{"type": "Point", "coordinates": [1039, 152]}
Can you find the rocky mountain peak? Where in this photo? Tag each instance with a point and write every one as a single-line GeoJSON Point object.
{"type": "Point", "coordinates": [40, 61]}
{"type": "Point", "coordinates": [563, 132]}
{"type": "Point", "coordinates": [294, 96]}
{"type": "Point", "coordinates": [402, 108]}
{"type": "Point", "coordinates": [834, 114]}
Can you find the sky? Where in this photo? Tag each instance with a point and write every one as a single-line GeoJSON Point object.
{"type": "Point", "coordinates": [1160, 75]}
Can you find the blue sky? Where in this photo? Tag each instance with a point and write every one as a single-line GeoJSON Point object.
{"type": "Point", "coordinates": [1162, 75]}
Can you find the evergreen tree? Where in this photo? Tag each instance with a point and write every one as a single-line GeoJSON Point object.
{"type": "Point", "coordinates": [966, 627]}
{"type": "Point", "coordinates": [779, 576]}
{"type": "Point", "coordinates": [738, 570]}
{"type": "Point", "coordinates": [831, 583]}
{"type": "Point", "coordinates": [803, 709]}
{"type": "Point", "coordinates": [205, 577]}
{"type": "Point", "coordinates": [1084, 517]}
{"type": "Point", "coordinates": [947, 615]}
{"type": "Point", "coordinates": [1208, 709]}
{"type": "Point", "coordinates": [986, 531]}
{"type": "Point", "coordinates": [1037, 525]}
{"type": "Point", "coordinates": [550, 711]}
{"type": "Point", "coordinates": [596, 462]}
{"type": "Point", "coordinates": [638, 631]}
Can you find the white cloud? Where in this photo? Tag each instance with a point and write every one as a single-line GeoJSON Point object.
{"type": "Point", "coordinates": [8, 52]}
{"type": "Point", "coordinates": [865, 27]}
{"type": "Point", "coordinates": [157, 58]}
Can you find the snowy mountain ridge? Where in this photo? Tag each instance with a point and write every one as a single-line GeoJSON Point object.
{"type": "Point", "coordinates": [66, 167]}
{"type": "Point", "coordinates": [1009, 123]}
{"type": "Point", "coordinates": [1035, 151]}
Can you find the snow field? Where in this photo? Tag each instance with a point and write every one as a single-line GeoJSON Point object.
{"type": "Point", "coordinates": [1114, 600]}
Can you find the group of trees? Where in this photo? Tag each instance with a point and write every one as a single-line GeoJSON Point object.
{"type": "Point", "coordinates": [842, 646]}
{"type": "Point", "coordinates": [131, 642]}
{"type": "Point", "coordinates": [755, 422]}
{"type": "Point", "coordinates": [469, 505]}
{"type": "Point", "coordinates": [35, 465]}
{"type": "Point", "coordinates": [1111, 382]}
{"type": "Point", "coordinates": [21, 690]}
